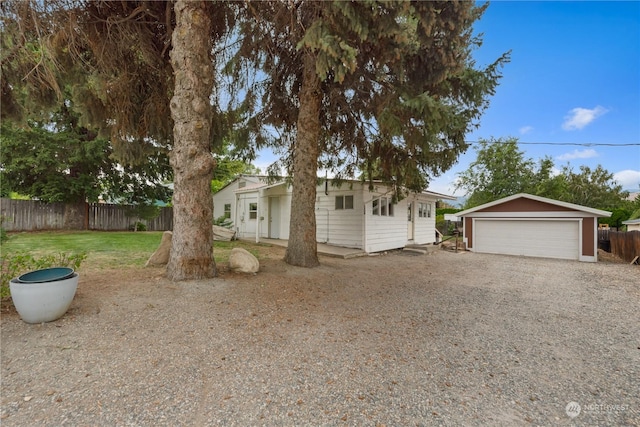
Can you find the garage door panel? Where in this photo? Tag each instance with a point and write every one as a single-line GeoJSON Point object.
{"type": "Point", "coordinates": [549, 239]}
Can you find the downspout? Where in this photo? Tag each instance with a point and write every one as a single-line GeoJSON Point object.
{"type": "Point", "coordinates": [364, 226]}
{"type": "Point", "coordinates": [258, 217]}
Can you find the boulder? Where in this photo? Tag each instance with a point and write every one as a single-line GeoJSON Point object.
{"type": "Point", "coordinates": [161, 255]}
{"type": "Point", "coordinates": [242, 261]}
{"type": "Point", "coordinates": [223, 234]}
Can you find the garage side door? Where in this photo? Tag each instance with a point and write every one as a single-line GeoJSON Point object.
{"type": "Point", "coordinates": [547, 239]}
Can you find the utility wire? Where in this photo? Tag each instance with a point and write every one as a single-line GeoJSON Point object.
{"type": "Point", "coordinates": [580, 144]}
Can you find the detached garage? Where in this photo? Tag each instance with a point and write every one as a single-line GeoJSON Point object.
{"type": "Point", "coordinates": [527, 225]}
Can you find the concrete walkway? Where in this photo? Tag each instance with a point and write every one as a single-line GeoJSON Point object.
{"type": "Point", "coordinates": [346, 253]}
{"type": "Point", "coordinates": [323, 249]}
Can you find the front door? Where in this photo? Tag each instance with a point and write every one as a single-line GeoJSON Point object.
{"type": "Point", "coordinates": [274, 217]}
{"type": "Point", "coordinates": [410, 221]}
{"type": "Point", "coordinates": [248, 213]}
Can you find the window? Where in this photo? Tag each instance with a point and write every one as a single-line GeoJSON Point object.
{"type": "Point", "coordinates": [382, 206]}
{"type": "Point", "coordinates": [227, 210]}
{"type": "Point", "coordinates": [253, 211]}
{"type": "Point", "coordinates": [424, 210]}
{"type": "Point", "coordinates": [344, 202]}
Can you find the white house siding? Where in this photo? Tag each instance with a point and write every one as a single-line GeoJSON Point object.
{"type": "Point", "coordinates": [227, 195]}
{"type": "Point", "coordinates": [384, 232]}
{"type": "Point", "coordinates": [355, 228]}
{"type": "Point", "coordinates": [342, 227]}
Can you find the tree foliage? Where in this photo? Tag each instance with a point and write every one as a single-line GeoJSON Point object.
{"type": "Point", "coordinates": [61, 161]}
{"type": "Point", "coordinates": [228, 167]}
{"type": "Point", "coordinates": [501, 169]}
{"type": "Point", "coordinates": [116, 59]}
{"type": "Point", "coordinates": [384, 87]}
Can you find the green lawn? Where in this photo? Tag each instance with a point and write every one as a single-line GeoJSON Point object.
{"type": "Point", "coordinates": [104, 249]}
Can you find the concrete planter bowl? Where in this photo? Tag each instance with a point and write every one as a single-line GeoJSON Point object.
{"type": "Point", "coordinates": [38, 302]}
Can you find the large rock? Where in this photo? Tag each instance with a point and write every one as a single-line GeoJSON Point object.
{"type": "Point", "coordinates": [161, 256]}
{"type": "Point", "coordinates": [242, 261]}
{"type": "Point", "coordinates": [223, 234]}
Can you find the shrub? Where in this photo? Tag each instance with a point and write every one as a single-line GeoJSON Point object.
{"type": "Point", "coordinates": [223, 221]}
{"type": "Point", "coordinates": [138, 226]}
{"type": "Point", "coordinates": [17, 263]}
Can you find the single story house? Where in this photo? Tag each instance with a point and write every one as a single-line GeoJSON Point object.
{"type": "Point", "coordinates": [528, 225]}
{"type": "Point", "coordinates": [632, 224]}
{"type": "Point", "coordinates": [348, 215]}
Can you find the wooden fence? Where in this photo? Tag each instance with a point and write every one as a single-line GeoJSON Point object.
{"type": "Point", "coordinates": [625, 245]}
{"type": "Point", "coordinates": [31, 215]}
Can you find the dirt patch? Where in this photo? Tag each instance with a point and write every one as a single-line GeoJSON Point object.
{"type": "Point", "coordinates": [608, 257]}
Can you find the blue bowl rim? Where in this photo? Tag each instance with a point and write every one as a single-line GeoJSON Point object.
{"type": "Point", "coordinates": [69, 272]}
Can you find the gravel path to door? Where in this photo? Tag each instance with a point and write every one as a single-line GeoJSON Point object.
{"type": "Point", "coordinates": [396, 340]}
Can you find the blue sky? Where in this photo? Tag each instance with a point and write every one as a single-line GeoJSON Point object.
{"type": "Point", "coordinates": [574, 78]}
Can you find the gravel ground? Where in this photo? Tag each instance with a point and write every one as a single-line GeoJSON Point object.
{"type": "Point", "coordinates": [396, 340]}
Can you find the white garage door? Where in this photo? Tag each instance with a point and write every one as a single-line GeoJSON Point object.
{"type": "Point", "coordinates": [548, 239]}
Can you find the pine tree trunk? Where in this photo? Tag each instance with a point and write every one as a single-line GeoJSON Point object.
{"type": "Point", "coordinates": [191, 254]}
{"type": "Point", "coordinates": [302, 249]}
{"type": "Point", "coordinates": [74, 217]}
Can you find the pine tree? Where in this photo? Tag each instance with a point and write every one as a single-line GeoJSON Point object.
{"type": "Point", "coordinates": [358, 86]}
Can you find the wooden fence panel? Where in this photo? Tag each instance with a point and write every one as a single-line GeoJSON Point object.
{"type": "Point", "coordinates": [32, 215]}
{"type": "Point", "coordinates": [625, 245]}
{"type": "Point", "coordinates": [162, 222]}
{"type": "Point", "coordinates": [118, 217]}
{"type": "Point", "coordinates": [108, 217]}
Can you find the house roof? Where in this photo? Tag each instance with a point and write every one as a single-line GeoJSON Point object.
{"type": "Point", "coordinates": [439, 195]}
{"type": "Point", "coordinates": [257, 186]}
{"type": "Point", "coordinates": [250, 178]}
{"type": "Point", "coordinates": [558, 203]}
{"type": "Point", "coordinates": [263, 186]}
{"type": "Point", "coordinates": [631, 221]}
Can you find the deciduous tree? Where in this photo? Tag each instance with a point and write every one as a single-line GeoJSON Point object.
{"type": "Point", "coordinates": [501, 169]}
{"type": "Point", "coordinates": [61, 161]}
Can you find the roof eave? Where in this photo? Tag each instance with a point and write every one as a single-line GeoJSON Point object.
{"type": "Point", "coordinates": [572, 206]}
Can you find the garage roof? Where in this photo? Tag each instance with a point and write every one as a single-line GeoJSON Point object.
{"type": "Point", "coordinates": [565, 205]}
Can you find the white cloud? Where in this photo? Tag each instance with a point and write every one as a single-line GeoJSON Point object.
{"type": "Point", "coordinates": [578, 154]}
{"type": "Point", "coordinates": [629, 179]}
{"type": "Point", "coordinates": [525, 130]}
{"type": "Point", "coordinates": [578, 118]}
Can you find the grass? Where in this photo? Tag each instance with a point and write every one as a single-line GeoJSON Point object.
{"type": "Point", "coordinates": [105, 249]}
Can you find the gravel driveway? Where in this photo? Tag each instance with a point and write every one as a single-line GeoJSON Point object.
{"type": "Point", "coordinates": [395, 340]}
